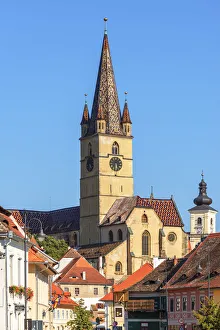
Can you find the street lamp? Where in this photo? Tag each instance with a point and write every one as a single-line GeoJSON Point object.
{"type": "Point", "coordinates": [41, 238]}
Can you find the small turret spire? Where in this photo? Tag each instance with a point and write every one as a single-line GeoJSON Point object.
{"type": "Point", "coordinates": [126, 116]}
{"type": "Point", "coordinates": [85, 116]}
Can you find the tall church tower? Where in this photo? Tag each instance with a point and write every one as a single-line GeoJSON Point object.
{"type": "Point", "coordinates": [202, 216]}
{"type": "Point", "coordinates": [106, 152]}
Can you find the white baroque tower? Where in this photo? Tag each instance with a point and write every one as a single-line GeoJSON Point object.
{"type": "Point", "coordinates": [202, 216]}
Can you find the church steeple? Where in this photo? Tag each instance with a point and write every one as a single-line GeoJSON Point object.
{"type": "Point", "coordinates": [106, 94]}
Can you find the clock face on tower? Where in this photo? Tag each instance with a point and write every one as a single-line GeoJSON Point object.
{"type": "Point", "coordinates": [89, 164]}
{"type": "Point", "coordinates": [115, 164]}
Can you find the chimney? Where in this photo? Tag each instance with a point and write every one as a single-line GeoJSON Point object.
{"type": "Point", "coordinates": [175, 261]}
{"type": "Point", "coordinates": [84, 275]}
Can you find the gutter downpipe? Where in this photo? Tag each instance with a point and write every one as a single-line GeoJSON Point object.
{"type": "Point", "coordinates": [6, 283]}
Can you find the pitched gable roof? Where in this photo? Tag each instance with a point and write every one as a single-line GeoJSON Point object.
{"type": "Point", "coordinates": [65, 300]}
{"type": "Point", "coordinates": [73, 273]}
{"type": "Point", "coordinates": [10, 224]}
{"type": "Point", "coordinates": [165, 209]}
{"type": "Point", "coordinates": [136, 277]}
{"type": "Point", "coordinates": [96, 250]}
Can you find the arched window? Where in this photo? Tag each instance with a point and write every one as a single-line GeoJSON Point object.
{"type": "Point", "coordinates": [199, 221]}
{"type": "Point", "coordinates": [118, 267]}
{"type": "Point", "coordinates": [115, 148]}
{"type": "Point", "coordinates": [110, 236]}
{"type": "Point", "coordinates": [120, 236]}
{"type": "Point", "coordinates": [146, 243]}
{"type": "Point", "coordinates": [144, 218]}
{"type": "Point", "coordinates": [75, 239]}
{"type": "Point", "coordinates": [89, 149]}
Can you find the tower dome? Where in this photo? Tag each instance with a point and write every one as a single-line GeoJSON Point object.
{"type": "Point", "coordinates": [202, 198]}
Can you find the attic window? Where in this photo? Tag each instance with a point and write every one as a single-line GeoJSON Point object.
{"type": "Point", "coordinates": [74, 277]}
{"type": "Point", "coordinates": [6, 221]}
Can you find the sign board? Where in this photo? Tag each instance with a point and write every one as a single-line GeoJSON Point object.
{"type": "Point", "coordinates": [144, 324]}
{"type": "Point", "coordinates": [19, 308]}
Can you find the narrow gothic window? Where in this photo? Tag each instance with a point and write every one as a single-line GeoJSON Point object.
{"type": "Point", "coordinates": [115, 148]}
{"type": "Point", "coordinates": [99, 125]}
{"type": "Point", "coordinates": [146, 243]}
{"type": "Point", "coordinates": [102, 125]}
{"type": "Point", "coordinates": [211, 221]}
{"type": "Point", "coordinates": [120, 235]}
{"type": "Point", "coordinates": [110, 236]}
{"type": "Point", "coordinates": [128, 129]}
{"type": "Point", "coordinates": [89, 149]}
{"type": "Point", "coordinates": [144, 218]}
{"type": "Point", "coordinates": [75, 239]}
{"type": "Point", "coordinates": [118, 267]}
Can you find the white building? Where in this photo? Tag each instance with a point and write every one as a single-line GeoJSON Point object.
{"type": "Point", "coordinates": [12, 257]}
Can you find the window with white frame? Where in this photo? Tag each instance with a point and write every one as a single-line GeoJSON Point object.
{"type": "Point", "coordinates": [184, 304]}
{"type": "Point", "coordinates": [177, 304]}
{"type": "Point", "coordinates": [19, 271]}
{"type": "Point", "coordinates": [11, 269]}
{"type": "Point", "coordinates": [193, 303]}
{"type": "Point", "coordinates": [96, 291]}
{"type": "Point", "coordinates": [202, 300]}
{"type": "Point", "coordinates": [76, 291]}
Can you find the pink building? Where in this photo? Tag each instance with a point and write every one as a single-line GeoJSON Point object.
{"type": "Point", "coordinates": [192, 283]}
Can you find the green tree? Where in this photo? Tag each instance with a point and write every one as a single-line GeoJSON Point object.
{"type": "Point", "coordinates": [208, 315]}
{"type": "Point", "coordinates": [54, 247]}
{"type": "Point", "coordinates": [81, 320]}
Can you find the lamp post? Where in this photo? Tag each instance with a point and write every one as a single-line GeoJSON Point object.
{"type": "Point", "coordinates": [41, 238]}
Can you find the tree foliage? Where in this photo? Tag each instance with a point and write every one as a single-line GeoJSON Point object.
{"type": "Point", "coordinates": [208, 315]}
{"type": "Point", "coordinates": [54, 247]}
{"type": "Point", "coordinates": [81, 320]}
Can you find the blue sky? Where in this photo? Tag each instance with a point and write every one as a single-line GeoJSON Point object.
{"type": "Point", "coordinates": [165, 54]}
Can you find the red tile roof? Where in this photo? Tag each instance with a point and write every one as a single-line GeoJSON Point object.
{"type": "Point", "coordinates": [165, 209]}
{"type": "Point", "coordinates": [136, 277]}
{"type": "Point", "coordinates": [65, 301]}
{"type": "Point", "coordinates": [33, 256]}
{"type": "Point", "coordinates": [11, 225]}
{"type": "Point", "coordinates": [73, 274]}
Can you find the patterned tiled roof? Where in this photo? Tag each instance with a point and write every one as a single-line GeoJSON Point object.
{"type": "Point", "coordinates": [96, 250]}
{"type": "Point", "coordinates": [100, 114]}
{"type": "Point", "coordinates": [85, 116]}
{"type": "Point", "coordinates": [165, 209]}
{"type": "Point", "coordinates": [203, 260]}
{"type": "Point", "coordinates": [57, 221]}
{"type": "Point", "coordinates": [73, 273]}
{"type": "Point", "coordinates": [106, 94]}
{"type": "Point", "coordinates": [126, 116]}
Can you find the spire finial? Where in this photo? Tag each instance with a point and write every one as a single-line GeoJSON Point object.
{"type": "Point", "coordinates": [85, 98]}
{"type": "Point", "coordinates": [152, 192]}
{"type": "Point", "coordinates": [126, 93]}
{"type": "Point", "coordinates": [105, 20]}
{"type": "Point", "coordinates": [202, 175]}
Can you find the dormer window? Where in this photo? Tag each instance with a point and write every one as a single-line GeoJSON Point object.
{"type": "Point", "coordinates": [115, 148]}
